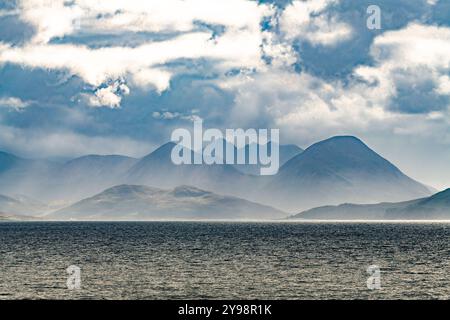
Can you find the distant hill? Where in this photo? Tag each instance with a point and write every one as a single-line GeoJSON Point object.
{"type": "Point", "coordinates": [157, 169]}
{"type": "Point", "coordinates": [23, 176]}
{"type": "Point", "coordinates": [15, 217]}
{"type": "Point", "coordinates": [9, 161]}
{"type": "Point", "coordinates": [20, 206]}
{"type": "Point", "coordinates": [436, 207]}
{"type": "Point", "coordinates": [286, 152]}
{"type": "Point", "coordinates": [71, 180]}
{"type": "Point", "coordinates": [336, 170]}
{"type": "Point", "coordinates": [87, 175]}
{"type": "Point", "coordinates": [135, 202]}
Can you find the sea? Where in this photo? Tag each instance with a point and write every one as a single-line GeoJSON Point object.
{"type": "Point", "coordinates": [225, 260]}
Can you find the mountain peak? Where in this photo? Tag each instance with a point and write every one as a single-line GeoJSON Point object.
{"type": "Point", "coordinates": [161, 154]}
{"type": "Point", "coordinates": [344, 138]}
{"type": "Point", "coordinates": [341, 169]}
{"type": "Point", "coordinates": [340, 153]}
{"type": "Point", "coordinates": [341, 142]}
{"type": "Point", "coordinates": [163, 149]}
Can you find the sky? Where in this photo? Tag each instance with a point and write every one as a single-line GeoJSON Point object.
{"type": "Point", "coordinates": [117, 77]}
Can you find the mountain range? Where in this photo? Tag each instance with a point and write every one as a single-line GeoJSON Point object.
{"type": "Point", "coordinates": [16, 217]}
{"type": "Point", "coordinates": [338, 170]}
{"type": "Point", "coordinates": [435, 207]}
{"type": "Point", "coordinates": [20, 206]}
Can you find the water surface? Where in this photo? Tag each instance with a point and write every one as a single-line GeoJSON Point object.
{"type": "Point", "coordinates": [198, 260]}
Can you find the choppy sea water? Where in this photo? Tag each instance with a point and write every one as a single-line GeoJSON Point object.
{"type": "Point", "coordinates": [184, 260]}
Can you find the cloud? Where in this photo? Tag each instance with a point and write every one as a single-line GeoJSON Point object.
{"type": "Point", "coordinates": [404, 92]}
{"type": "Point", "coordinates": [14, 103]}
{"type": "Point", "coordinates": [276, 51]}
{"type": "Point", "coordinates": [310, 21]}
{"type": "Point", "coordinates": [304, 107]}
{"type": "Point", "coordinates": [416, 44]}
{"type": "Point", "coordinates": [97, 66]}
{"type": "Point", "coordinates": [56, 18]}
{"type": "Point", "coordinates": [40, 143]}
{"type": "Point", "coordinates": [147, 77]}
{"type": "Point", "coordinates": [167, 115]}
{"type": "Point", "coordinates": [8, 13]}
{"type": "Point", "coordinates": [144, 65]}
{"type": "Point", "coordinates": [109, 96]}
{"type": "Point", "coordinates": [411, 67]}
{"type": "Point", "coordinates": [444, 85]}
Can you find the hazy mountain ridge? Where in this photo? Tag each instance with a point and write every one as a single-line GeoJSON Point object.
{"type": "Point", "coordinates": [71, 180]}
{"type": "Point", "coordinates": [20, 206]}
{"type": "Point", "coordinates": [286, 152]}
{"type": "Point", "coordinates": [15, 217]}
{"type": "Point", "coordinates": [158, 170]}
{"type": "Point", "coordinates": [88, 175]}
{"type": "Point", "coordinates": [135, 202]}
{"type": "Point", "coordinates": [434, 207]}
{"type": "Point", "coordinates": [337, 170]}
{"type": "Point", "coordinates": [24, 176]}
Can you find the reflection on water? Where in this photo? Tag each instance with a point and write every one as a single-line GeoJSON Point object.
{"type": "Point", "coordinates": [164, 260]}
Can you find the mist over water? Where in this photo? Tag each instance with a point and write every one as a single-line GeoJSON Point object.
{"type": "Point", "coordinates": [192, 260]}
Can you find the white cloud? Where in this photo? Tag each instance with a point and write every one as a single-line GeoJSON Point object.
{"type": "Point", "coordinates": [308, 108]}
{"type": "Point", "coordinates": [50, 18]}
{"type": "Point", "coordinates": [53, 18]}
{"type": "Point", "coordinates": [309, 20]}
{"type": "Point", "coordinates": [414, 45]}
{"type": "Point", "coordinates": [147, 77]}
{"type": "Point", "coordinates": [110, 96]}
{"type": "Point", "coordinates": [290, 99]}
{"type": "Point", "coordinates": [14, 103]}
{"type": "Point", "coordinates": [409, 57]}
{"type": "Point", "coordinates": [280, 52]}
{"type": "Point", "coordinates": [7, 13]}
{"type": "Point", "coordinates": [168, 115]}
{"type": "Point", "coordinates": [305, 107]}
{"type": "Point", "coordinates": [145, 65]}
{"type": "Point", "coordinates": [444, 85]}
{"type": "Point", "coordinates": [97, 66]}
